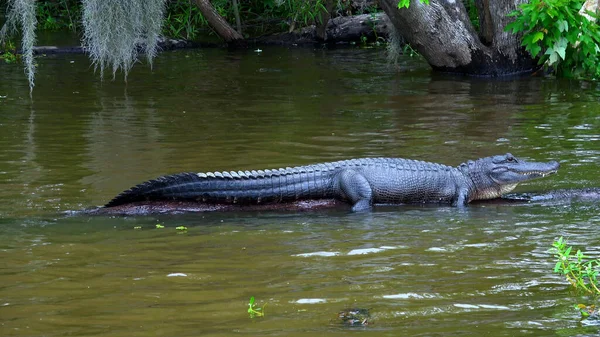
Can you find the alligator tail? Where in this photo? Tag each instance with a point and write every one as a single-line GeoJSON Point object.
{"type": "Point", "coordinates": [155, 189]}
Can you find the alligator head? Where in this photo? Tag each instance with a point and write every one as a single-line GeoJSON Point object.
{"type": "Point", "coordinates": [494, 176]}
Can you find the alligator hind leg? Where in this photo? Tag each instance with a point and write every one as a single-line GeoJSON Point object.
{"type": "Point", "coordinates": [356, 189]}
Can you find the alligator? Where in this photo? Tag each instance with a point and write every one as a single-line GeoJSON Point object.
{"type": "Point", "coordinates": [359, 182]}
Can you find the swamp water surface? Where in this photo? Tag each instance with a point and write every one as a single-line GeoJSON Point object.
{"type": "Point", "coordinates": [421, 271]}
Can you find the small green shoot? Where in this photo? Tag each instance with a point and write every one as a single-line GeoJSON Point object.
{"type": "Point", "coordinates": [253, 311]}
{"type": "Point", "coordinates": [8, 52]}
{"type": "Point", "coordinates": [181, 228]}
{"type": "Point", "coordinates": [586, 310]}
{"type": "Point", "coordinates": [159, 226]}
{"type": "Point", "coordinates": [583, 275]}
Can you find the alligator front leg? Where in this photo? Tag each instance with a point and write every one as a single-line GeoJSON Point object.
{"type": "Point", "coordinates": [463, 198]}
{"type": "Point", "coordinates": [356, 189]}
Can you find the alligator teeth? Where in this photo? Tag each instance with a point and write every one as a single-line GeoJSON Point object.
{"type": "Point", "coordinates": [543, 174]}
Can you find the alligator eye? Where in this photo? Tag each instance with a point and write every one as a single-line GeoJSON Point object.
{"type": "Point", "coordinates": [510, 159]}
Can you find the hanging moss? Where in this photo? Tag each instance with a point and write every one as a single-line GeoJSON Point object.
{"type": "Point", "coordinates": [21, 15]}
{"type": "Point", "coordinates": [115, 31]}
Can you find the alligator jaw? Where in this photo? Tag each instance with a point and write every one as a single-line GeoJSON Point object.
{"type": "Point", "coordinates": [528, 171]}
{"type": "Point", "coordinates": [537, 174]}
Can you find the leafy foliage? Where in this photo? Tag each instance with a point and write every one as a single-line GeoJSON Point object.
{"type": "Point", "coordinates": [473, 13]}
{"type": "Point", "coordinates": [583, 275]}
{"type": "Point", "coordinates": [8, 52]}
{"type": "Point", "coordinates": [59, 15]}
{"type": "Point", "coordinates": [183, 19]}
{"type": "Point", "coordinates": [406, 3]}
{"type": "Point", "coordinates": [115, 32]}
{"type": "Point", "coordinates": [304, 12]}
{"type": "Point", "coordinates": [564, 40]}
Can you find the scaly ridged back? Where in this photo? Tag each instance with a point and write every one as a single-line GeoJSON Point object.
{"type": "Point", "coordinates": [147, 189]}
{"type": "Point", "coordinates": [291, 183]}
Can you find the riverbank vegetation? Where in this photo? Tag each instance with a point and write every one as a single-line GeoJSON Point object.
{"type": "Point", "coordinates": [582, 273]}
{"type": "Point", "coordinates": [183, 19]}
{"type": "Point", "coordinates": [500, 38]}
{"type": "Point", "coordinates": [562, 34]}
{"type": "Point", "coordinates": [115, 32]}
{"type": "Point", "coordinates": [579, 270]}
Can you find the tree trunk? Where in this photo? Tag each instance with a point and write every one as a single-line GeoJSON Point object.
{"type": "Point", "coordinates": [223, 29]}
{"type": "Point", "coordinates": [443, 34]}
{"type": "Point", "coordinates": [236, 13]}
{"type": "Point", "coordinates": [322, 21]}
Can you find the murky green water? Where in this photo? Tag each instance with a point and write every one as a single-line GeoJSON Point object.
{"type": "Point", "coordinates": [421, 271]}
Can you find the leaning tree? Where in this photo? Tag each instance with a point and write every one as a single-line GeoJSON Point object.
{"type": "Point", "coordinates": [442, 32]}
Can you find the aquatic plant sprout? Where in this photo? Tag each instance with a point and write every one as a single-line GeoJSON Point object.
{"type": "Point", "coordinates": [253, 311]}
{"type": "Point", "coordinates": [582, 274]}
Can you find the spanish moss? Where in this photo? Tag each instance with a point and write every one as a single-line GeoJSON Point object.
{"type": "Point", "coordinates": [116, 30]}
{"type": "Point", "coordinates": [21, 14]}
{"type": "Point", "coordinates": [394, 47]}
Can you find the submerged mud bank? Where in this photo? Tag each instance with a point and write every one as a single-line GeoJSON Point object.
{"type": "Point", "coordinates": [591, 194]}
{"type": "Point", "coordinates": [178, 207]}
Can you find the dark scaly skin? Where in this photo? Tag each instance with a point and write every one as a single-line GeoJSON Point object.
{"type": "Point", "coordinates": [360, 182]}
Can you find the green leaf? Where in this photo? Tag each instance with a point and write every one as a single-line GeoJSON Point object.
{"type": "Point", "coordinates": [251, 300]}
{"type": "Point", "coordinates": [514, 13]}
{"type": "Point", "coordinates": [561, 26]}
{"type": "Point", "coordinates": [537, 36]}
{"type": "Point", "coordinates": [534, 49]}
{"type": "Point", "coordinates": [560, 48]}
{"type": "Point", "coordinates": [534, 17]}
{"type": "Point", "coordinates": [563, 43]}
{"type": "Point", "coordinates": [553, 58]}
{"type": "Point", "coordinates": [561, 52]}
{"type": "Point", "coordinates": [527, 40]}
{"type": "Point", "coordinates": [404, 4]}
{"type": "Point", "coordinates": [557, 267]}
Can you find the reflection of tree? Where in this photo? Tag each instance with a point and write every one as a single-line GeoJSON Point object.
{"type": "Point", "coordinates": [30, 171]}
{"type": "Point", "coordinates": [124, 147]}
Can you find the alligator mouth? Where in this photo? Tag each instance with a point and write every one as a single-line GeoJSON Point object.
{"type": "Point", "coordinates": [537, 173]}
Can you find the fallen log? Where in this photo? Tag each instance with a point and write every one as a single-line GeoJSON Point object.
{"type": "Point", "coordinates": [340, 30]}
{"type": "Point", "coordinates": [343, 29]}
